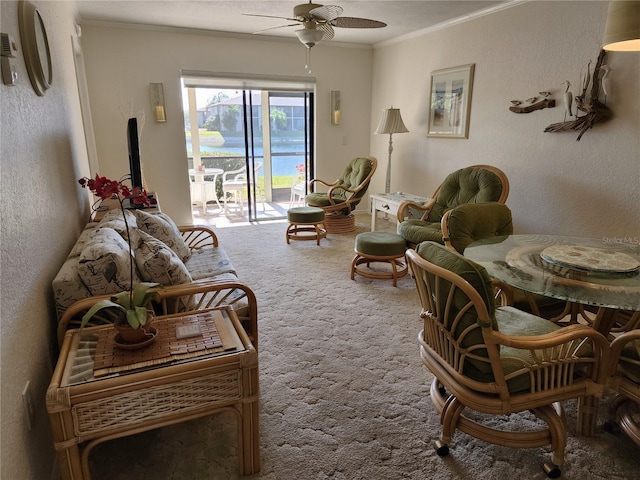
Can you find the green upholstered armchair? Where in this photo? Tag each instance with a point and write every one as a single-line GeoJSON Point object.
{"type": "Point", "coordinates": [347, 191]}
{"type": "Point", "coordinates": [500, 361]}
{"type": "Point", "coordinates": [474, 184]}
{"type": "Point", "coordinates": [343, 195]}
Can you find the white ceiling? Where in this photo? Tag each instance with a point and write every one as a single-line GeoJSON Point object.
{"type": "Point", "coordinates": [402, 17]}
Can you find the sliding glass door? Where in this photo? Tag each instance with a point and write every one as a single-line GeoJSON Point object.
{"type": "Point", "coordinates": [249, 151]}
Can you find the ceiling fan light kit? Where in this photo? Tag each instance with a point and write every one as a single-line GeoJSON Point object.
{"type": "Point", "coordinates": [309, 37]}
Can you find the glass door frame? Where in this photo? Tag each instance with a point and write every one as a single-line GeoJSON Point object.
{"type": "Point", "coordinates": [247, 84]}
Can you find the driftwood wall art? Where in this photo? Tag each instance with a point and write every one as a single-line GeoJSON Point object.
{"type": "Point", "coordinates": [587, 102]}
{"type": "Point", "coordinates": [534, 103]}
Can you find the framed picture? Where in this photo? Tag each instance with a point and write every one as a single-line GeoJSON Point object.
{"type": "Point", "coordinates": [450, 102]}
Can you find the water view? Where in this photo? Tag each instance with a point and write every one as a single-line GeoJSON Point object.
{"type": "Point", "coordinates": [285, 155]}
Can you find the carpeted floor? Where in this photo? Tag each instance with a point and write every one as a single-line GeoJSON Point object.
{"type": "Point", "coordinates": [343, 392]}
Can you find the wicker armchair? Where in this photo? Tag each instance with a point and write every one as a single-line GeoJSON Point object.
{"type": "Point", "coordinates": [470, 222]}
{"type": "Point", "coordinates": [474, 184]}
{"type": "Point", "coordinates": [500, 361]}
{"type": "Point", "coordinates": [625, 380]}
{"type": "Point", "coordinates": [344, 194]}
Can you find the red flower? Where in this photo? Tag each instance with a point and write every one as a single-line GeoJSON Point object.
{"type": "Point", "coordinates": [105, 188]}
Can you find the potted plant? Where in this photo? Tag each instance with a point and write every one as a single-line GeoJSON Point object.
{"type": "Point", "coordinates": [133, 316]}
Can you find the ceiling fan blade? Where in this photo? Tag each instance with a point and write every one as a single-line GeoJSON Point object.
{"type": "Point", "coordinates": [327, 31]}
{"type": "Point", "coordinates": [354, 22]}
{"type": "Point", "coordinates": [270, 16]}
{"type": "Point", "coordinates": [326, 12]}
{"type": "Point", "coordinates": [274, 28]}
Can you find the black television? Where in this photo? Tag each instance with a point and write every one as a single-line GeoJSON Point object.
{"type": "Point", "coordinates": [134, 153]}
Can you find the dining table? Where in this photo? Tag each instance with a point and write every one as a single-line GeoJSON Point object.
{"type": "Point", "coordinates": [602, 273]}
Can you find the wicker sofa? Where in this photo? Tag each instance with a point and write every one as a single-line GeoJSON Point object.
{"type": "Point", "coordinates": [193, 271]}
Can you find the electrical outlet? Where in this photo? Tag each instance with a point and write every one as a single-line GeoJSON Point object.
{"type": "Point", "coordinates": [29, 407]}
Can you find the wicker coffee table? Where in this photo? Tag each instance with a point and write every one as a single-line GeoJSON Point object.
{"type": "Point", "coordinates": [100, 393]}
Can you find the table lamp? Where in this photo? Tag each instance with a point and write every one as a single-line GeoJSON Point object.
{"type": "Point", "coordinates": [391, 122]}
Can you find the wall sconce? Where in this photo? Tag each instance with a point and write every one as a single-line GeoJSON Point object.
{"type": "Point", "coordinates": [156, 91]}
{"type": "Point", "coordinates": [335, 107]}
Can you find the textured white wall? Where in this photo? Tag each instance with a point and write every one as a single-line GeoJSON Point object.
{"type": "Point", "coordinates": [558, 185]}
{"type": "Point", "coordinates": [121, 62]}
{"type": "Point", "coordinates": [42, 213]}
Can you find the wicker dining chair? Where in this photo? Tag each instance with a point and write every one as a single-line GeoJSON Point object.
{"type": "Point", "coordinates": [625, 380]}
{"type": "Point", "coordinates": [500, 361]}
{"type": "Point", "coordinates": [470, 222]}
{"type": "Point", "coordinates": [474, 184]}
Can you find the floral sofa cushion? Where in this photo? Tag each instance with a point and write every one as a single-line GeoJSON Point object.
{"type": "Point", "coordinates": [84, 237]}
{"type": "Point", "coordinates": [156, 261]}
{"type": "Point", "coordinates": [114, 219]}
{"type": "Point", "coordinates": [202, 261]}
{"type": "Point", "coordinates": [99, 262]}
{"type": "Point", "coordinates": [67, 289]}
{"type": "Point", "coordinates": [162, 227]}
{"type": "Point", "coordinates": [104, 264]}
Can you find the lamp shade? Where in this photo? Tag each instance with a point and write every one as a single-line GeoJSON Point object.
{"type": "Point", "coordinates": [622, 30]}
{"type": "Point", "coordinates": [391, 122]}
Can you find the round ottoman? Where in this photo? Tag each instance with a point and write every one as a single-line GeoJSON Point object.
{"type": "Point", "coordinates": [380, 247]}
{"type": "Point", "coordinates": [306, 223]}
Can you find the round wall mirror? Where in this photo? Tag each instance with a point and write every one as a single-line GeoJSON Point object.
{"type": "Point", "coordinates": [35, 47]}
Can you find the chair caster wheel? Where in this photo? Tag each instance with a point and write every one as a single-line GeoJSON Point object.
{"type": "Point", "coordinates": [611, 427]}
{"type": "Point", "coordinates": [442, 449]}
{"type": "Point", "coordinates": [552, 470]}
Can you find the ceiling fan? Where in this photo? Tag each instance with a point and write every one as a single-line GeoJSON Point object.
{"type": "Point", "coordinates": [318, 22]}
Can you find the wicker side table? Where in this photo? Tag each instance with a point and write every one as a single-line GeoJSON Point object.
{"type": "Point", "coordinates": [92, 399]}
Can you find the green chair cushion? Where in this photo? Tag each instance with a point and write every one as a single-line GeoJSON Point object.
{"type": "Point", "coordinates": [417, 231]}
{"type": "Point", "coordinates": [467, 185]}
{"type": "Point", "coordinates": [305, 215]}
{"type": "Point", "coordinates": [475, 221]}
{"type": "Point", "coordinates": [380, 244]}
{"type": "Point", "coordinates": [477, 276]}
{"type": "Point", "coordinates": [512, 321]}
{"type": "Point", "coordinates": [473, 273]}
{"type": "Point", "coordinates": [322, 200]}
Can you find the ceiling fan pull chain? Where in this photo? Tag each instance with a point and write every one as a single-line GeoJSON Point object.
{"type": "Point", "coordinates": [308, 60]}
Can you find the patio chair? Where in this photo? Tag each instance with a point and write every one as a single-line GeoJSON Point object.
{"type": "Point", "coordinates": [298, 191]}
{"type": "Point", "coordinates": [474, 184]}
{"type": "Point", "coordinates": [500, 361]}
{"type": "Point", "coordinates": [234, 183]}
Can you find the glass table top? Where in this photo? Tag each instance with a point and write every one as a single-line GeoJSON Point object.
{"type": "Point", "coordinates": [516, 260]}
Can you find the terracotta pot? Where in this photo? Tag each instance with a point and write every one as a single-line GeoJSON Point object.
{"type": "Point", "coordinates": [129, 338]}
